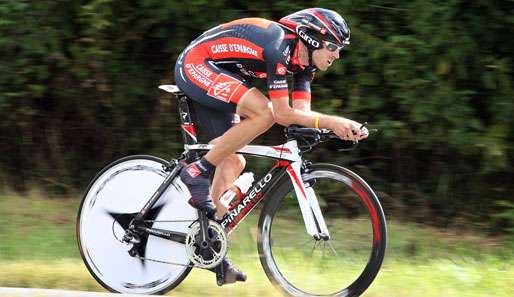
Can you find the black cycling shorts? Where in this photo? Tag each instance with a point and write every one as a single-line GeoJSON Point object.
{"type": "Point", "coordinates": [215, 92]}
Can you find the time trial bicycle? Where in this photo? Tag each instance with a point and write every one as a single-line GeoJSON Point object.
{"type": "Point", "coordinates": [321, 230]}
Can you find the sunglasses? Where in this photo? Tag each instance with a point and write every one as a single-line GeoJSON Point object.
{"type": "Point", "coordinates": [332, 46]}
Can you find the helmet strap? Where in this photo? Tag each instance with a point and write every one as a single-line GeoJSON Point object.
{"type": "Point", "coordinates": [311, 62]}
{"type": "Point", "coordinates": [310, 50]}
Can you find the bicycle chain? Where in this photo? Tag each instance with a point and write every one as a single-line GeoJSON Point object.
{"type": "Point", "coordinates": [160, 261]}
{"type": "Point", "coordinates": [163, 262]}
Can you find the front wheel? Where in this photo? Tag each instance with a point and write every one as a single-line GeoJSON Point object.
{"type": "Point", "coordinates": [112, 200]}
{"type": "Point", "coordinates": [344, 264]}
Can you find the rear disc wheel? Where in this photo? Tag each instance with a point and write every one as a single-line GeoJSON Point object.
{"type": "Point", "coordinates": [112, 200]}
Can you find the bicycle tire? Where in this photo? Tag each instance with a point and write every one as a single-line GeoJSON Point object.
{"type": "Point", "coordinates": [150, 168]}
{"type": "Point", "coordinates": [266, 244]}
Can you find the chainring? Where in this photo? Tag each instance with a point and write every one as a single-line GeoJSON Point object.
{"type": "Point", "coordinates": [216, 251]}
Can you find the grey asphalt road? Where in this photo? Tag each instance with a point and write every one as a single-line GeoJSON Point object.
{"type": "Point", "coordinates": [22, 292]}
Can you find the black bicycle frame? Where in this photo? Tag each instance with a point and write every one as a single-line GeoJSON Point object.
{"type": "Point", "coordinates": [189, 137]}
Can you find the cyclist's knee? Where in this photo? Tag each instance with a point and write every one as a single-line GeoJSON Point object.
{"type": "Point", "coordinates": [215, 140]}
{"type": "Point", "coordinates": [268, 118]}
{"type": "Point", "coordinates": [265, 114]}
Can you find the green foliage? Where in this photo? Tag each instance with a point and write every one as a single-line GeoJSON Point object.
{"type": "Point", "coordinates": [506, 215]}
{"type": "Point", "coordinates": [78, 89]}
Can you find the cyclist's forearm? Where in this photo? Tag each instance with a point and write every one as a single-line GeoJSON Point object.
{"type": "Point", "coordinates": [286, 116]}
{"type": "Point", "coordinates": [301, 104]}
{"type": "Point", "coordinates": [306, 118]}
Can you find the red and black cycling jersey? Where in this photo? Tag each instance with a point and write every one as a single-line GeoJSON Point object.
{"type": "Point", "coordinates": [251, 47]}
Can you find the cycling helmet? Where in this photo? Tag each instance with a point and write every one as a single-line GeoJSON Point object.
{"type": "Point", "coordinates": [315, 25]}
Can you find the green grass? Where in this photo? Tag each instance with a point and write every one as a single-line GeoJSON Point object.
{"type": "Point", "coordinates": [38, 249]}
{"type": "Point", "coordinates": [32, 228]}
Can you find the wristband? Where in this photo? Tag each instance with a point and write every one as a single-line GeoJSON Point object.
{"type": "Point", "coordinates": [316, 123]}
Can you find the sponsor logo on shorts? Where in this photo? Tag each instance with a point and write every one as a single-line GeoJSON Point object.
{"type": "Point", "coordinates": [200, 73]}
{"type": "Point", "coordinates": [193, 171]}
{"type": "Point", "coordinates": [224, 87]}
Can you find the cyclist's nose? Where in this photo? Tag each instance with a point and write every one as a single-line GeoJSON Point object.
{"type": "Point", "coordinates": [337, 54]}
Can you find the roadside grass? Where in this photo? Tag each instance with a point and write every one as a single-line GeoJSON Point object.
{"type": "Point", "coordinates": [38, 249]}
{"type": "Point", "coordinates": [396, 279]}
{"type": "Point", "coordinates": [33, 228]}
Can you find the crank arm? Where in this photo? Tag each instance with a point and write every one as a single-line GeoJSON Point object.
{"type": "Point", "coordinates": [166, 234]}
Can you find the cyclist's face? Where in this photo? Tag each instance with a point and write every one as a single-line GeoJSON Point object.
{"type": "Point", "coordinates": [323, 57]}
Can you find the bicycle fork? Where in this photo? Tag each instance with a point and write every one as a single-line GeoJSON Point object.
{"type": "Point", "coordinates": [312, 216]}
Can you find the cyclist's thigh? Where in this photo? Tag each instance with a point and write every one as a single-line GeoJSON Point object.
{"type": "Point", "coordinates": [254, 103]}
{"type": "Point", "coordinates": [213, 123]}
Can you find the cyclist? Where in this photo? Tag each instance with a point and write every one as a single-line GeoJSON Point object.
{"type": "Point", "coordinates": [211, 70]}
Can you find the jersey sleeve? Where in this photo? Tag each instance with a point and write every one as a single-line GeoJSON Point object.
{"type": "Point", "coordinates": [276, 64]}
{"type": "Point", "coordinates": [276, 71]}
{"type": "Point", "coordinates": [302, 85]}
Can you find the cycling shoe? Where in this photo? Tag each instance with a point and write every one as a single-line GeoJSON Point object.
{"type": "Point", "coordinates": [228, 273]}
{"type": "Point", "coordinates": [196, 176]}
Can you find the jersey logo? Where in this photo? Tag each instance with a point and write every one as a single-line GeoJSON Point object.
{"type": "Point", "coordinates": [224, 87]}
{"type": "Point", "coordinates": [193, 171]}
{"type": "Point", "coordinates": [281, 69]}
{"type": "Point", "coordinates": [261, 74]}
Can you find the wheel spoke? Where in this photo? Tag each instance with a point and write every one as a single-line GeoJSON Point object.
{"type": "Point", "coordinates": [314, 247]}
{"type": "Point", "coordinates": [307, 268]}
{"type": "Point", "coordinates": [307, 242]}
{"type": "Point", "coordinates": [333, 249]}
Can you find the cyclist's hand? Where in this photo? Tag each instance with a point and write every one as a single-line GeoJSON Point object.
{"type": "Point", "coordinates": [364, 132]}
{"type": "Point", "coordinates": [348, 130]}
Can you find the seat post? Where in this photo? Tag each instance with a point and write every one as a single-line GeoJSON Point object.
{"type": "Point", "coordinates": [185, 113]}
{"type": "Point", "coordinates": [186, 121]}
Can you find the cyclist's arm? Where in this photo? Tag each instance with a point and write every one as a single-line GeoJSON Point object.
{"type": "Point", "coordinates": [278, 91]}
{"type": "Point", "coordinates": [343, 128]}
{"type": "Point", "coordinates": [285, 115]}
{"type": "Point", "coordinates": [301, 95]}
{"type": "Point", "coordinates": [301, 104]}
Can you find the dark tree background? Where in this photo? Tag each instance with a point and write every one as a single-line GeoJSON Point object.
{"type": "Point", "coordinates": [78, 89]}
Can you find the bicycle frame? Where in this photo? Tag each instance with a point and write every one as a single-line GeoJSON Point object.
{"type": "Point", "coordinates": [120, 228]}
{"type": "Point", "coordinates": [289, 160]}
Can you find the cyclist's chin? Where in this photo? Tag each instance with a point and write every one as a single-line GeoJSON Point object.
{"type": "Point", "coordinates": [322, 66]}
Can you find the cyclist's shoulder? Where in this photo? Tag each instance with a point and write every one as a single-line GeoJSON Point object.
{"type": "Point", "coordinates": [261, 23]}
{"type": "Point", "coordinates": [268, 29]}
{"type": "Point", "coordinates": [257, 22]}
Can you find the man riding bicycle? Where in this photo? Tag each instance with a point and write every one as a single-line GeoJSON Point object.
{"type": "Point", "coordinates": [211, 70]}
